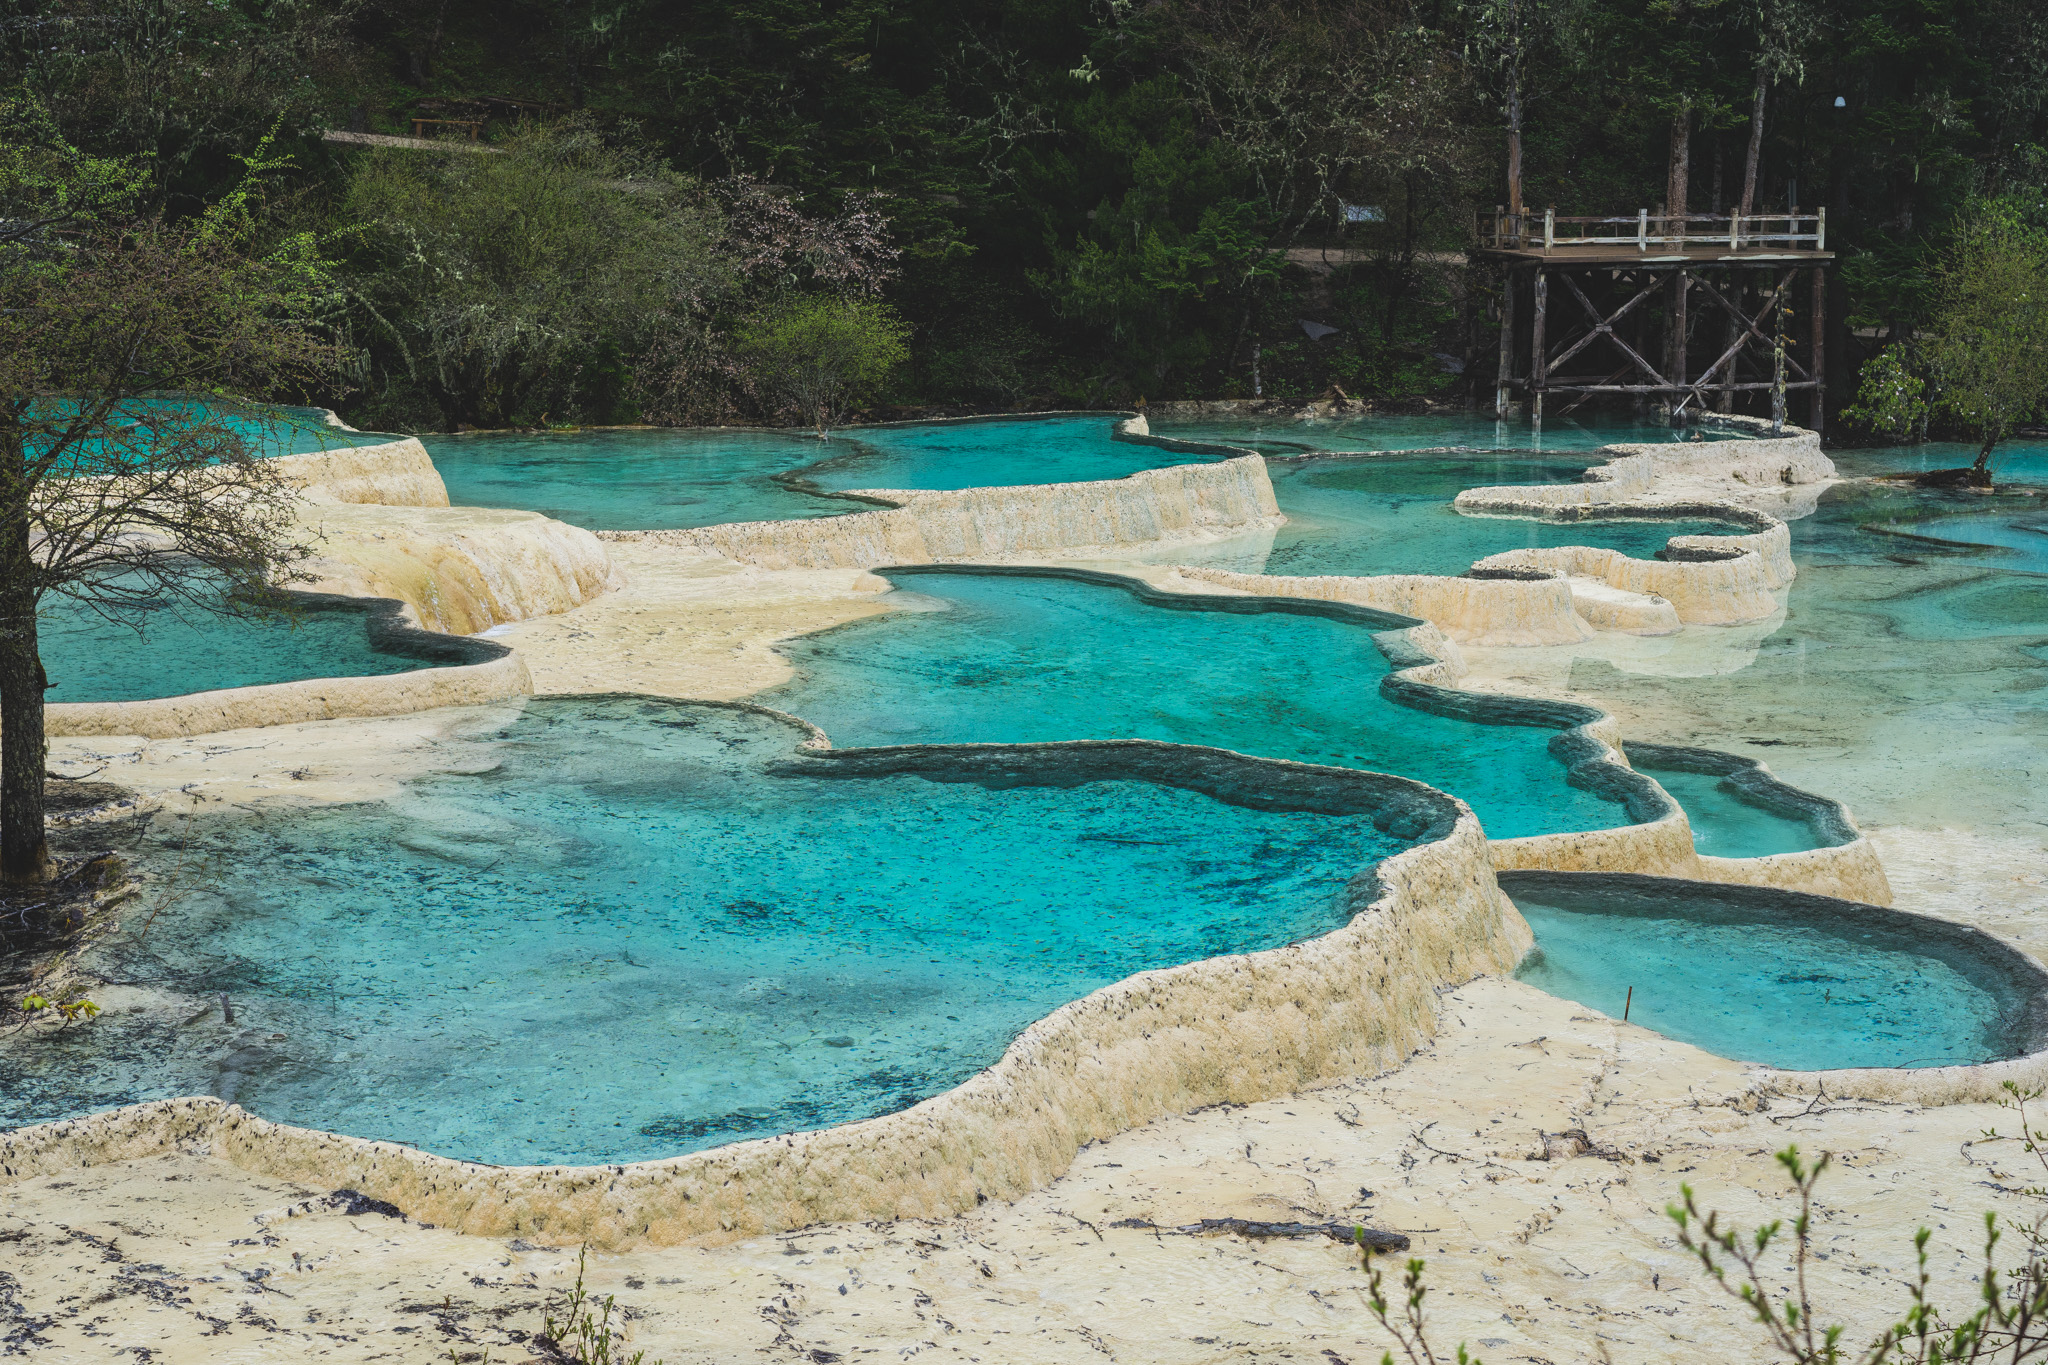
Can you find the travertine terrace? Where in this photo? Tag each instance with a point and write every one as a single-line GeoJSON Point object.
{"type": "Point", "coordinates": [1390, 1054]}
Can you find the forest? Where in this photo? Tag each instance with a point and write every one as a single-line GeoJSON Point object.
{"type": "Point", "coordinates": [644, 212]}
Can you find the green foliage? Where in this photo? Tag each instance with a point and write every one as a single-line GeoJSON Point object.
{"type": "Point", "coordinates": [94, 482]}
{"type": "Point", "coordinates": [1107, 188]}
{"type": "Point", "coordinates": [814, 355]}
{"type": "Point", "coordinates": [1982, 360]}
{"type": "Point", "coordinates": [1892, 398]}
{"type": "Point", "coordinates": [70, 1009]}
{"type": "Point", "coordinates": [2008, 1321]}
{"type": "Point", "coordinates": [1987, 350]}
{"type": "Point", "coordinates": [49, 187]}
{"type": "Point", "coordinates": [182, 86]}
{"type": "Point", "coordinates": [1405, 1322]}
{"type": "Point", "coordinates": [500, 281]}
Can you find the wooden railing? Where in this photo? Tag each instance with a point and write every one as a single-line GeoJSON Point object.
{"type": "Point", "coordinates": [471, 126]}
{"type": "Point", "coordinates": [1646, 232]}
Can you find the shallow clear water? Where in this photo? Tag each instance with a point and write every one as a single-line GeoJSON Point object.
{"type": "Point", "coordinates": [1907, 678]}
{"type": "Point", "coordinates": [2023, 540]}
{"type": "Point", "coordinates": [994, 454]}
{"type": "Point", "coordinates": [187, 650]}
{"type": "Point", "coordinates": [2023, 460]}
{"type": "Point", "coordinates": [645, 480]}
{"type": "Point", "coordinates": [1394, 515]}
{"type": "Point", "coordinates": [636, 480]}
{"type": "Point", "coordinates": [1382, 432]}
{"type": "Point", "coordinates": [612, 934]}
{"type": "Point", "coordinates": [1726, 826]}
{"type": "Point", "coordinates": [302, 431]}
{"type": "Point", "coordinates": [1013, 659]}
{"type": "Point", "coordinates": [1800, 992]}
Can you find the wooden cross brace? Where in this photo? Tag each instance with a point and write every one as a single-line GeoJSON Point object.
{"type": "Point", "coordinates": [1752, 330]}
{"type": "Point", "coordinates": [1604, 326]}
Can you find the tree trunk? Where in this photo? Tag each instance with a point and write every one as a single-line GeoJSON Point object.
{"type": "Point", "coordinates": [24, 850]}
{"type": "Point", "coordinates": [1514, 111]}
{"type": "Point", "coordinates": [575, 68]}
{"type": "Point", "coordinates": [1984, 456]}
{"type": "Point", "coordinates": [1515, 145]}
{"type": "Point", "coordinates": [1756, 147]}
{"type": "Point", "coordinates": [1678, 179]}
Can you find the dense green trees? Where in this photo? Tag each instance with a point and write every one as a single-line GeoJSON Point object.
{"type": "Point", "coordinates": [503, 283]}
{"type": "Point", "coordinates": [1088, 200]}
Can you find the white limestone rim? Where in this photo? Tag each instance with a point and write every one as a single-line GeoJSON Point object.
{"type": "Point", "coordinates": [1084, 519]}
{"type": "Point", "coordinates": [1706, 579]}
{"type": "Point", "coordinates": [395, 473]}
{"type": "Point", "coordinates": [288, 1151]}
{"type": "Point", "coordinates": [291, 703]}
{"type": "Point", "coordinates": [1233, 1029]}
{"type": "Point", "coordinates": [1635, 469]}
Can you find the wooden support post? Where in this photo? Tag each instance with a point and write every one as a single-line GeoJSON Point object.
{"type": "Point", "coordinates": [1820, 331]}
{"type": "Point", "coordinates": [1674, 344]}
{"type": "Point", "coordinates": [1730, 335]}
{"type": "Point", "coordinates": [1778, 361]}
{"type": "Point", "coordinates": [1507, 345]}
{"type": "Point", "coordinates": [1537, 366]}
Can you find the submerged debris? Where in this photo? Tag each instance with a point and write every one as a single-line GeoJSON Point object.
{"type": "Point", "coordinates": [1352, 1233]}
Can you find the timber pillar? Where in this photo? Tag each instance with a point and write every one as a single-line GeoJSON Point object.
{"type": "Point", "coordinates": [1617, 279]}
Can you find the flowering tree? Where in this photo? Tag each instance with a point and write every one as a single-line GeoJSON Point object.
{"type": "Point", "coordinates": [776, 255]}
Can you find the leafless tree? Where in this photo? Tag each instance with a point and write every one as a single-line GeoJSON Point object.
{"type": "Point", "coordinates": [130, 476]}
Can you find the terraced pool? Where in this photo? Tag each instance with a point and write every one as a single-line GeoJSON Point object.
{"type": "Point", "coordinates": [624, 928]}
{"type": "Point", "coordinates": [1724, 825]}
{"type": "Point", "coordinates": [1799, 982]}
{"type": "Point", "coordinates": [1393, 514]}
{"type": "Point", "coordinates": [645, 480]}
{"type": "Point", "coordinates": [1384, 431]}
{"type": "Point", "coordinates": [1010, 658]}
{"type": "Point", "coordinates": [179, 650]}
{"type": "Point", "coordinates": [637, 480]}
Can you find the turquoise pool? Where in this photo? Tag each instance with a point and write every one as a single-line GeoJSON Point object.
{"type": "Point", "coordinates": [267, 430]}
{"type": "Point", "coordinates": [2011, 538]}
{"type": "Point", "coordinates": [1933, 663]}
{"type": "Point", "coordinates": [1008, 658]}
{"type": "Point", "coordinates": [1799, 982]}
{"type": "Point", "coordinates": [1724, 825]}
{"type": "Point", "coordinates": [1393, 514]}
{"type": "Point", "coordinates": [647, 480]}
{"type": "Point", "coordinates": [184, 649]}
{"type": "Point", "coordinates": [2023, 460]}
{"type": "Point", "coordinates": [637, 480]}
{"type": "Point", "coordinates": [624, 930]}
{"type": "Point", "coordinates": [993, 453]}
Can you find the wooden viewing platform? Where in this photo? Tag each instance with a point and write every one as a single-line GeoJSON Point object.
{"type": "Point", "coordinates": [1744, 267]}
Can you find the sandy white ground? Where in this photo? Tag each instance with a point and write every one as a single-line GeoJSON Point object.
{"type": "Point", "coordinates": [185, 1258]}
